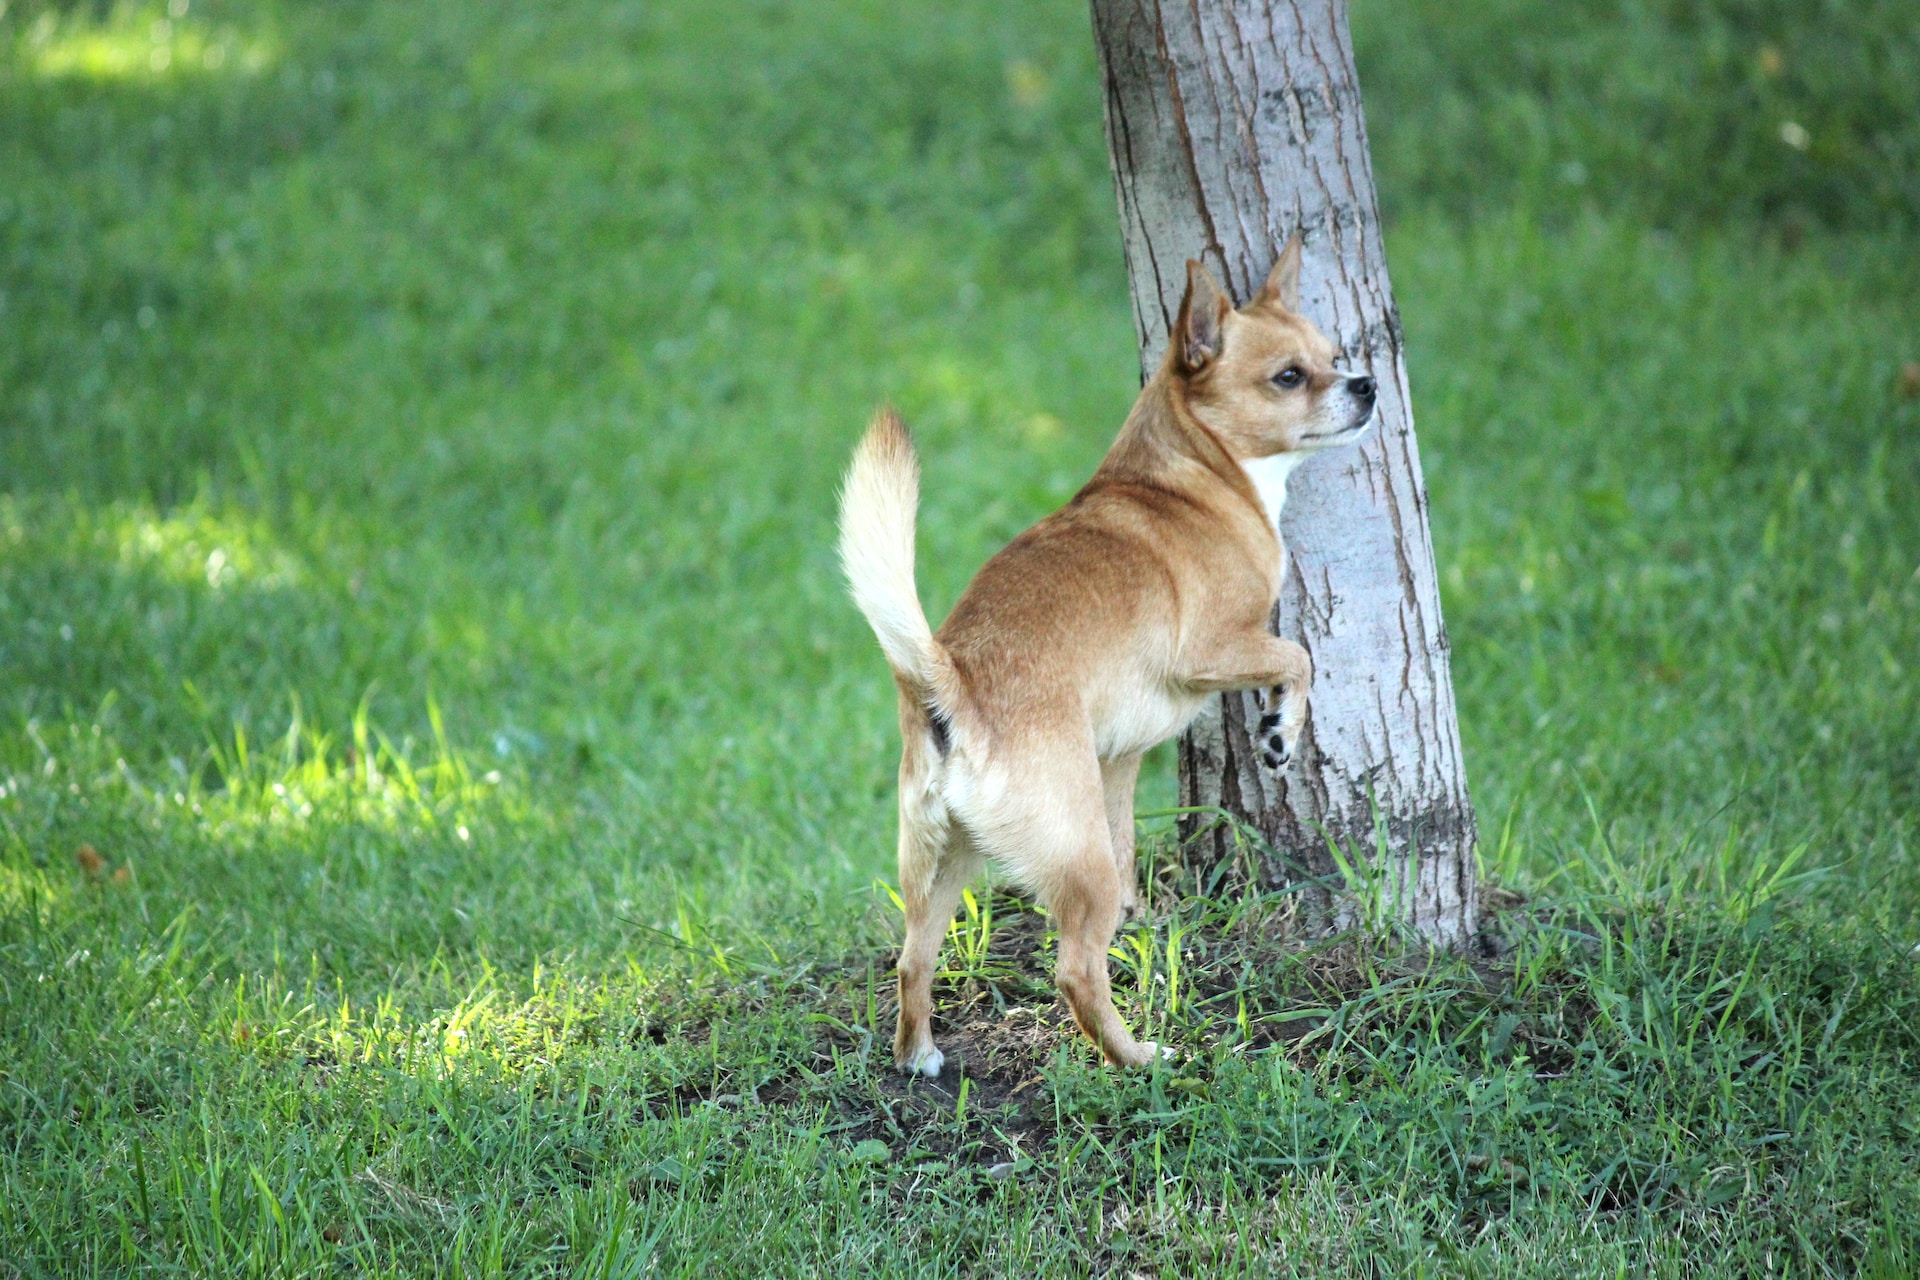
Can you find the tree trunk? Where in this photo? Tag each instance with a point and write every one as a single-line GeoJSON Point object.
{"type": "Point", "coordinates": [1231, 123]}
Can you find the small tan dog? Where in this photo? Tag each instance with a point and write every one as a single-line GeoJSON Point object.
{"type": "Point", "coordinates": [1094, 635]}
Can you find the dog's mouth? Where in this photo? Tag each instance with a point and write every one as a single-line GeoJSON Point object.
{"type": "Point", "coordinates": [1338, 434]}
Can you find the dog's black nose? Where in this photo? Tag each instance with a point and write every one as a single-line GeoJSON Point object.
{"type": "Point", "coordinates": [1361, 388]}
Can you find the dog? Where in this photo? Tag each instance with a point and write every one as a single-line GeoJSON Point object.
{"type": "Point", "coordinates": [1095, 635]}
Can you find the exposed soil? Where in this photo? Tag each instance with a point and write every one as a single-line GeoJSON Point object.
{"type": "Point", "coordinates": [999, 1023]}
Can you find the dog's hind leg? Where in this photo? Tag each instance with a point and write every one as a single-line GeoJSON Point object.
{"type": "Point", "coordinates": [1056, 840]}
{"type": "Point", "coordinates": [1117, 778]}
{"type": "Point", "coordinates": [1086, 907]}
{"type": "Point", "coordinates": [937, 862]}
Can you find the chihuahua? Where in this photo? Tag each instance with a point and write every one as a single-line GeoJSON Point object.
{"type": "Point", "coordinates": [1095, 635]}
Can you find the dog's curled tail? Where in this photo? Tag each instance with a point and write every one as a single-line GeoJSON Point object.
{"type": "Point", "coordinates": [877, 507]}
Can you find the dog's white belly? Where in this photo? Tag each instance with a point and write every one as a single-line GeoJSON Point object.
{"type": "Point", "coordinates": [1135, 719]}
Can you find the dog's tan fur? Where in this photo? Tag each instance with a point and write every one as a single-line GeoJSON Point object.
{"type": "Point", "coordinates": [1094, 635]}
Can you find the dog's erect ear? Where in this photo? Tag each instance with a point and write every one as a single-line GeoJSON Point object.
{"type": "Point", "coordinates": [1196, 334]}
{"type": "Point", "coordinates": [1282, 288]}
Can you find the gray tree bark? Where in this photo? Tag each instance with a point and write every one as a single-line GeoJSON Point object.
{"type": "Point", "coordinates": [1230, 124]}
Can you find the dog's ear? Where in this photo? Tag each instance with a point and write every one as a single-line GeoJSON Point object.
{"type": "Point", "coordinates": [1282, 288]}
{"type": "Point", "coordinates": [1196, 334]}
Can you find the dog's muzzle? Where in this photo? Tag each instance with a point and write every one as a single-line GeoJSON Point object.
{"type": "Point", "coordinates": [1364, 392]}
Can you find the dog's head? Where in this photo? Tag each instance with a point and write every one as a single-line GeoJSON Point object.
{"type": "Point", "coordinates": [1262, 377]}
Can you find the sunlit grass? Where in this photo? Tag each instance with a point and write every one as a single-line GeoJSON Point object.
{"type": "Point", "coordinates": [192, 545]}
{"type": "Point", "coordinates": [305, 777]}
{"type": "Point", "coordinates": [140, 42]}
{"type": "Point", "coordinates": [29, 890]}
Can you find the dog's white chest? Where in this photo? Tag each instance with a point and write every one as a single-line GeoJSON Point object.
{"type": "Point", "coordinates": [1269, 476]}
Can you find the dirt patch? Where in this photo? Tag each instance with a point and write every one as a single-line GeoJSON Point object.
{"type": "Point", "coordinates": [1246, 972]}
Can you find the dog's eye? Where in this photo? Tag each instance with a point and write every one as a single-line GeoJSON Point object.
{"type": "Point", "coordinates": [1290, 377]}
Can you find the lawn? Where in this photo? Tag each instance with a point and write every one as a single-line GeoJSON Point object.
{"type": "Point", "coordinates": [446, 797]}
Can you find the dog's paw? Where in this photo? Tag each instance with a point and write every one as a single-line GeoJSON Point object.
{"type": "Point", "coordinates": [1278, 729]}
{"type": "Point", "coordinates": [1274, 742]}
{"type": "Point", "coordinates": [926, 1063]}
{"type": "Point", "coordinates": [1274, 750]}
{"type": "Point", "coordinates": [1153, 1051]}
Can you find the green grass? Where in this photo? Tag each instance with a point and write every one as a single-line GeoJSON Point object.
{"type": "Point", "coordinates": [418, 434]}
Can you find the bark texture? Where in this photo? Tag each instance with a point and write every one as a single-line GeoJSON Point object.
{"type": "Point", "coordinates": [1230, 124]}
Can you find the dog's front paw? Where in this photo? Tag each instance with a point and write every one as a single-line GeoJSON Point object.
{"type": "Point", "coordinates": [1282, 712]}
{"type": "Point", "coordinates": [1275, 750]}
{"type": "Point", "coordinates": [926, 1062]}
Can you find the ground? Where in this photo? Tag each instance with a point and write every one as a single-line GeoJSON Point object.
{"type": "Point", "coordinates": [445, 796]}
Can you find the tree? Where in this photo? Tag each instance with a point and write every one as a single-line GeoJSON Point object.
{"type": "Point", "coordinates": [1232, 123]}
